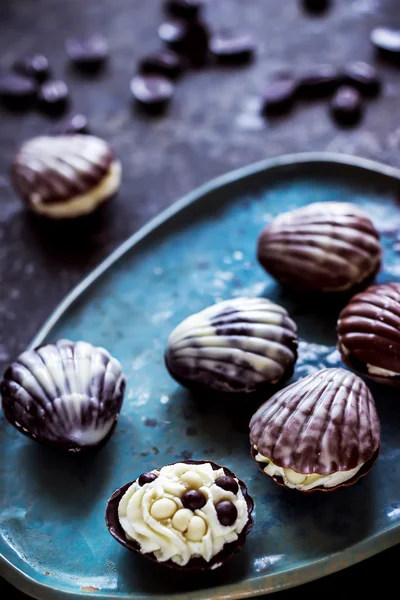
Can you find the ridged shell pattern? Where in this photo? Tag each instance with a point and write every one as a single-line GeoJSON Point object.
{"type": "Point", "coordinates": [369, 331]}
{"type": "Point", "coordinates": [325, 246]}
{"type": "Point", "coordinates": [233, 346]}
{"type": "Point", "coordinates": [68, 393]}
{"type": "Point", "coordinates": [50, 169]}
{"type": "Point", "coordinates": [324, 423]}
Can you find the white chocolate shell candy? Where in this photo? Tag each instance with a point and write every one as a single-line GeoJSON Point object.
{"type": "Point", "coordinates": [65, 176]}
{"type": "Point", "coordinates": [67, 394]}
{"type": "Point", "coordinates": [234, 346]}
{"type": "Point", "coordinates": [318, 433]}
{"type": "Point", "coordinates": [321, 247]}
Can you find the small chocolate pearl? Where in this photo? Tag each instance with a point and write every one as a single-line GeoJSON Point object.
{"type": "Point", "coordinates": [152, 91]}
{"type": "Point", "coordinates": [17, 91]}
{"type": "Point", "coordinates": [362, 76]}
{"type": "Point", "coordinates": [173, 33]}
{"type": "Point", "coordinates": [316, 6]}
{"type": "Point", "coordinates": [279, 95]}
{"type": "Point", "coordinates": [53, 96]}
{"type": "Point", "coordinates": [227, 483]}
{"type": "Point", "coordinates": [232, 47]}
{"type": "Point", "coordinates": [88, 53]}
{"type": "Point", "coordinates": [196, 43]}
{"type": "Point", "coordinates": [75, 124]}
{"type": "Point", "coordinates": [387, 42]}
{"type": "Point", "coordinates": [226, 512]}
{"type": "Point", "coordinates": [346, 105]}
{"type": "Point", "coordinates": [165, 62]}
{"type": "Point", "coordinates": [193, 499]}
{"type": "Point", "coordinates": [36, 66]}
{"type": "Point", "coordinates": [319, 80]}
{"type": "Point", "coordinates": [146, 477]}
{"type": "Point", "coordinates": [184, 8]}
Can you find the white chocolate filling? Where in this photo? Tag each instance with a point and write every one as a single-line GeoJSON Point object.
{"type": "Point", "coordinates": [372, 370]}
{"type": "Point", "coordinates": [304, 482]}
{"type": "Point", "coordinates": [154, 516]}
{"type": "Point", "coordinates": [83, 204]}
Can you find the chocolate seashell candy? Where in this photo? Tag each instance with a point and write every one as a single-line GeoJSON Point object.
{"type": "Point", "coordinates": [321, 247]}
{"type": "Point", "coordinates": [190, 515]}
{"type": "Point", "coordinates": [368, 331]}
{"type": "Point", "coordinates": [65, 176]}
{"type": "Point", "coordinates": [235, 346]}
{"type": "Point", "coordinates": [320, 433]}
{"type": "Point", "coordinates": [67, 394]}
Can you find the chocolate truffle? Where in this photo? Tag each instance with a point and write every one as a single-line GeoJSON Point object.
{"type": "Point", "coordinates": [319, 433]}
{"type": "Point", "coordinates": [235, 346]}
{"type": "Point", "coordinates": [369, 333]}
{"type": "Point", "coordinates": [65, 176]}
{"type": "Point", "coordinates": [67, 394]}
{"type": "Point", "coordinates": [321, 247]}
{"type": "Point", "coordinates": [154, 520]}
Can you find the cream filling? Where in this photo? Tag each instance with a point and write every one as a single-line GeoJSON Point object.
{"type": "Point", "coordinates": [169, 530]}
{"type": "Point", "coordinates": [381, 372]}
{"type": "Point", "coordinates": [83, 204]}
{"type": "Point", "coordinates": [301, 481]}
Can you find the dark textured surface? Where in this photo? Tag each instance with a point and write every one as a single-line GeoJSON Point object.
{"type": "Point", "coordinates": [211, 126]}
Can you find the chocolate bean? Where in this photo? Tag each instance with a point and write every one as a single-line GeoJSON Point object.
{"type": "Point", "coordinates": [88, 53]}
{"type": "Point", "coordinates": [232, 47]}
{"type": "Point", "coordinates": [166, 62]}
{"type": "Point", "coordinates": [346, 105]}
{"type": "Point", "coordinates": [53, 96]}
{"type": "Point", "coordinates": [227, 483]}
{"type": "Point", "coordinates": [316, 6]}
{"type": "Point", "coordinates": [362, 76]}
{"type": "Point", "coordinates": [226, 512]}
{"type": "Point", "coordinates": [152, 91]}
{"type": "Point", "coordinates": [36, 66]}
{"type": "Point", "coordinates": [75, 124]}
{"type": "Point", "coordinates": [184, 8]}
{"type": "Point", "coordinates": [196, 43]}
{"type": "Point", "coordinates": [279, 95]}
{"type": "Point", "coordinates": [387, 42]}
{"type": "Point", "coordinates": [146, 477]}
{"type": "Point", "coordinates": [17, 91]}
{"type": "Point", "coordinates": [173, 33]}
{"type": "Point", "coordinates": [319, 80]}
{"type": "Point", "coordinates": [193, 499]}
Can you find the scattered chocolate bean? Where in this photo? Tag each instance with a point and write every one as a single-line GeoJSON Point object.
{"type": "Point", "coordinates": [346, 105]}
{"type": "Point", "coordinates": [75, 124]}
{"type": "Point", "coordinates": [316, 6]}
{"type": "Point", "coordinates": [319, 80]}
{"type": "Point", "coordinates": [53, 96]}
{"type": "Point", "coordinates": [229, 46]}
{"type": "Point", "coordinates": [36, 66]}
{"type": "Point", "coordinates": [279, 95]}
{"type": "Point", "coordinates": [16, 91]}
{"type": "Point", "coordinates": [146, 477]}
{"type": "Point", "coordinates": [173, 33]}
{"type": "Point", "coordinates": [193, 499]}
{"type": "Point", "coordinates": [152, 91]}
{"type": "Point", "coordinates": [362, 76]}
{"type": "Point", "coordinates": [196, 43]}
{"type": "Point", "coordinates": [227, 483]}
{"type": "Point", "coordinates": [165, 62]}
{"type": "Point", "coordinates": [184, 8]}
{"type": "Point", "coordinates": [89, 54]}
{"type": "Point", "coordinates": [387, 42]}
{"type": "Point", "coordinates": [226, 512]}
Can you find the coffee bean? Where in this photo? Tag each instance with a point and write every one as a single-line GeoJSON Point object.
{"type": "Point", "coordinates": [165, 62]}
{"type": "Point", "coordinates": [193, 499]}
{"type": "Point", "coordinates": [173, 33]}
{"type": "Point", "coordinates": [152, 91]}
{"type": "Point", "coordinates": [279, 95]}
{"type": "Point", "coordinates": [75, 124]}
{"type": "Point", "coordinates": [17, 91]}
{"type": "Point", "coordinates": [320, 80]}
{"type": "Point", "coordinates": [387, 42]}
{"type": "Point", "coordinates": [184, 8]}
{"type": "Point", "coordinates": [89, 54]}
{"type": "Point", "coordinates": [226, 512]}
{"type": "Point", "coordinates": [233, 47]}
{"type": "Point", "coordinates": [362, 76]}
{"type": "Point", "coordinates": [227, 483]}
{"type": "Point", "coordinates": [36, 66]}
{"type": "Point", "coordinates": [146, 478]}
{"type": "Point", "coordinates": [346, 105]}
{"type": "Point", "coordinates": [316, 6]}
{"type": "Point", "coordinates": [53, 96]}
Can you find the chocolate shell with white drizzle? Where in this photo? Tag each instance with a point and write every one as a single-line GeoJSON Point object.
{"type": "Point", "coordinates": [234, 346]}
{"type": "Point", "coordinates": [368, 331]}
{"type": "Point", "coordinates": [66, 176]}
{"type": "Point", "coordinates": [320, 433]}
{"type": "Point", "coordinates": [321, 247]}
{"type": "Point", "coordinates": [67, 394]}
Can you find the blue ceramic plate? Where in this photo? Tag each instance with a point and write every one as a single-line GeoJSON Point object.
{"type": "Point", "coordinates": [54, 541]}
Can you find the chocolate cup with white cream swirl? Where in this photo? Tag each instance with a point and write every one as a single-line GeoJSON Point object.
{"type": "Point", "coordinates": [221, 502]}
{"type": "Point", "coordinates": [66, 176]}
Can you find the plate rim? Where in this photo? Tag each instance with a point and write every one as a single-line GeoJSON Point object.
{"type": "Point", "coordinates": [353, 554]}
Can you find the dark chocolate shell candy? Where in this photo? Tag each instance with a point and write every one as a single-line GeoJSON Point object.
{"type": "Point", "coordinates": [195, 563]}
{"type": "Point", "coordinates": [324, 424]}
{"type": "Point", "coordinates": [369, 333]}
{"type": "Point", "coordinates": [321, 247]}
{"type": "Point", "coordinates": [67, 394]}
{"type": "Point", "coordinates": [235, 346]}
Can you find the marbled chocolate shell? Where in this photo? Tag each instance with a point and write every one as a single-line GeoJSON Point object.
{"type": "Point", "coordinates": [234, 346]}
{"type": "Point", "coordinates": [369, 333]}
{"type": "Point", "coordinates": [319, 433]}
{"type": "Point", "coordinates": [321, 247]}
{"type": "Point", "coordinates": [67, 394]}
{"type": "Point", "coordinates": [65, 176]}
